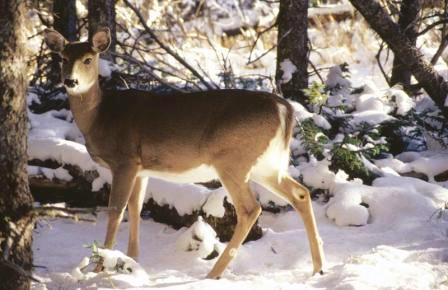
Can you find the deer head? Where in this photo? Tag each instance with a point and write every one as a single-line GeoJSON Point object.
{"type": "Point", "coordinates": [79, 59]}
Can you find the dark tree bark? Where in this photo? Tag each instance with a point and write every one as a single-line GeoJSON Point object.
{"type": "Point", "coordinates": [64, 21]}
{"type": "Point", "coordinates": [390, 32]}
{"type": "Point", "coordinates": [15, 199]}
{"type": "Point", "coordinates": [64, 15]}
{"type": "Point", "coordinates": [102, 13]}
{"type": "Point", "coordinates": [292, 48]}
{"type": "Point", "coordinates": [409, 12]}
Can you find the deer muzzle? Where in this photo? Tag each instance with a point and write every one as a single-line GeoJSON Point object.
{"type": "Point", "coordinates": [70, 83]}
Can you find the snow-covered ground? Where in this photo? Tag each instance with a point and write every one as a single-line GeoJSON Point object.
{"type": "Point", "coordinates": [401, 247]}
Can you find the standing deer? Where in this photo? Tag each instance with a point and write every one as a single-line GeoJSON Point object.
{"type": "Point", "coordinates": [234, 135]}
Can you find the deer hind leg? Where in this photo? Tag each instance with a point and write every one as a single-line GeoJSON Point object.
{"type": "Point", "coordinates": [134, 208]}
{"type": "Point", "coordinates": [299, 197]}
{"type": "Point", "coordinates": [122, 184]}
{"type": "Point", "coordinates": [247, 210]}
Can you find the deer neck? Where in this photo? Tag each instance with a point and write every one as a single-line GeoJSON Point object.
{"type": "Point", "coordinates": [85, 107]}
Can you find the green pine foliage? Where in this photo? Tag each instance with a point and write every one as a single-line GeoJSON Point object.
{"type": "Point", "coordinates": [313, 138]}
{"type": "Point", "coordinates": [359, 142]}
{"type": "Point", "coordinates": [316, 95]}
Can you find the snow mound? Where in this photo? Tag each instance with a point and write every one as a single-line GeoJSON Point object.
{"type": "Point", "coordinates": [58, 173]}
{"type": "Point", "coordinates": [370, 117]}
{"type": "Point", "coordinates": [317, 174]}
{"type": "Point", "coordinates": [68, 152]}
{"type": "Point", "coordinates": [301, 113]}
{"type": "Point", "coordinates": [199, 238]}
{"type": "Point", "coordinates": [437, 194]}
{"type": "Point", "coordinates": [401, 100]}
{"type": "Point", "coordinates": [345, 209]}
{"type": "Point", "coordinates": [288, 69]}
{"type": "Point", "coordinates": [430, 164]}
{"type": "Point", "coordinates": [122, 270]}
{"type": "Point", "coordinates": [214, 205]}
{"type": "Point", "coordinates": [184, 197]}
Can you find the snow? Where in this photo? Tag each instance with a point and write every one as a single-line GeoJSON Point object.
{"type": "Point", "coordinates": [301, 113]}
{"type": "Point", "coordinates": [115, 263]}
{"type": "Point", "coordinates": [288, 69]}
{"type": "Point", "coordinates": [345, 208]}
{"type": "Point", "coordinates": [199, 238]}
{"type": "Point", "coordinates": [317, 175]}
{"type": "Point", "coordinates": [371, 117]}
{"type": "Point", "coordinates": [106, 68]}
{"type": "Point", "coordinates": [397, 248]}
{"type": "Point", "coordinates": [335, 79]}
{"type": "Point", "coordinates": [214, 204]}
{"type": "Point", "coordinates": [428, 163]}
{"type": "Point", "coordinates": [58, 173]}
{"type": "Point", "coordinates": [65, 151]}
{"type": "Point", "coordinates": [185, 198]}
{"type": "Point", "coordinates": [321, 122]}
{"type": "Point", "coordinates": [403, 102]}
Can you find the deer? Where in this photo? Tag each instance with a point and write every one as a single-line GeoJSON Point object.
{"type": "Point", "coordinates": [236, 136]}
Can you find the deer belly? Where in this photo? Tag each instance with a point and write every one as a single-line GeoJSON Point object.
{"type": "Point", "coordinates": [202, 173]}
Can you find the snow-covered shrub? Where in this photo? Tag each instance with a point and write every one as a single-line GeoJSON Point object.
{"type": "Point", "coordinates": [316, 95]}
{"type": "Point", "coordinates": [311, 137]}
{"type": "Point", "coordinates": [200, 238]}
{"type": "Point", "coordinates": [112, 262]}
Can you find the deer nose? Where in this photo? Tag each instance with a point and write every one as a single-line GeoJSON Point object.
{"type": "Point", "coordinates": [71, 83]}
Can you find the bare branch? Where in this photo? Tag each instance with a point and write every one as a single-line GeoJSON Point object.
{"type": "Point", "coordinates": [432, 25]}
{"type": "Point", "coordinates": [166, 48]}
{"type": "Point", "coordinates": [315, 70]}
{"type": "Point", "coordinates": [444, 38]}
{"type": "Point", "coordinates": [258, 37]}
{"type": "Point", "coordinates": [378, 60]}
{"type": "Point", "coordinates": [57, 212]}
{"type": "Point", "coordinates": [149, 70]}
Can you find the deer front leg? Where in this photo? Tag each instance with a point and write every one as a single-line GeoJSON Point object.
{"type": "Point", "coordinates": [122, 183]}
{"type": "Point", "coordinates": [302, 204]}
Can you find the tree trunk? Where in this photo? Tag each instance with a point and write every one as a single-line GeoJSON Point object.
{"type": "Point", "coordinates": [102, 13]}
{"type": "Point", "coordinates": [16, 225]}
{"type": "Point", "coordinates": [389, 31]}
{"type": "Point", "coordinates": [409, 12]}
{"type": "Point", "coordinates": [292, 49]}
{"type": "Point", "coordinates": [64, 21]}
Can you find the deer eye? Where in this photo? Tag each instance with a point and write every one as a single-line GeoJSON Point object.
{"type": "Point", "coordinates": [87, 60]}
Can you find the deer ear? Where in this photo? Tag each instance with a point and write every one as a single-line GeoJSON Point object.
{"type": "Point", "coordinates": [55, 41]}
{"type": "Point", "coordinates": [101, 40]}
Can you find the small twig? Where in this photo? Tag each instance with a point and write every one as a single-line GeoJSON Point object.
{"type": "Point", "coordinates": [57, 212]}
{"type": "Point", "coordinates": [262, 55]}
{"type": "Point", "coordinates": [207, 75]}
{"type": "Point", "coordinates": [444, 38]}
{"type": "Point", "coordinates": [377, 56]}
{"type": "Point", "coordinates": [316, 71]}
{"type": "Point", "coordinates": [258, 37]}
{"type": "Point", "coordinates": [432, 25]}
{"type": "Point", "coordinates": [146, 68]}
{"type": "Point", "coordinates": [270, 49]}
